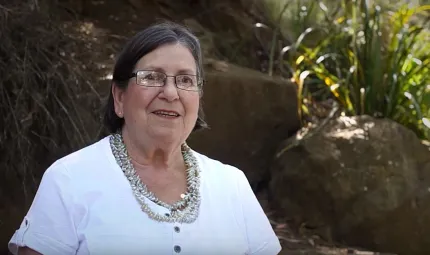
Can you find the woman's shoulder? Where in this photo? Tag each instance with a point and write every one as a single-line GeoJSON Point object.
{"type": "Point", "coordinates": [92, 156]}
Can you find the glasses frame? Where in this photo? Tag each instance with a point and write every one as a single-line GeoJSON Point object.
{"type": "Point", "coordinates": [199, 80]}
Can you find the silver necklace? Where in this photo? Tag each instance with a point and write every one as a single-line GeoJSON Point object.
{"type": "Point", "coordinates": [185, 210]}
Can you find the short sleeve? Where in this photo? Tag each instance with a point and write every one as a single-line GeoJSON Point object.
{"type": "Point", "coordinates": [262, 240]}
{"type": "Point", "coordinates": [48, 227]}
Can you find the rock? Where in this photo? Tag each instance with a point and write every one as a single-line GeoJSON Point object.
{"type": "Point", "coordinates": [249, 113]}
{"type": "Point", "coordinates": [365, 181]}
{"type": "Point", "coordinates": [136, 4]}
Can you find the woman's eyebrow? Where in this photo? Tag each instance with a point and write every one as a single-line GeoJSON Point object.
{"type": "Point", "coordinates": [186, 71]}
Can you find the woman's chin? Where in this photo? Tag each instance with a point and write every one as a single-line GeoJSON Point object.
{"type": "Point", "coordinates": [166, 134]}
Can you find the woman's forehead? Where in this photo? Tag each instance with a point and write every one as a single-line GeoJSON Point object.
{"type": "Point", "coordinates": [169, 57]}
{"type": "Point", "coordinates": [163, 69]}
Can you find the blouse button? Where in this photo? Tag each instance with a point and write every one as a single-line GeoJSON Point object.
{"type": "Point", "coordinates": [177, 248]}
{"type": "Point", "coordinates": [177, 229]}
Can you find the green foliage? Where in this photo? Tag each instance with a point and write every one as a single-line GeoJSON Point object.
{"type": "Point", "coordinates": [373, 60]}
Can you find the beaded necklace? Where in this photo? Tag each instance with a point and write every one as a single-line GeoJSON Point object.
{"type": "Point", "coordinates": [185, 210]}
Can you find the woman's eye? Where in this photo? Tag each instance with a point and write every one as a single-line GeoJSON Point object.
{"type": "Point", "coordinates": [150, 77]}
{"type": "Point", "coordinates": [186, 80]}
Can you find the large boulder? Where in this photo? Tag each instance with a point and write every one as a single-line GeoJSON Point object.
{"type": "Point", "coordinates": [358, 180]}
{"type": "Point", "coordinates": [249, 113]}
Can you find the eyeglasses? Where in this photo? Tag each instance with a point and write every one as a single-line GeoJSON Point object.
{"type": "Point", "coordinates": [149, 78]}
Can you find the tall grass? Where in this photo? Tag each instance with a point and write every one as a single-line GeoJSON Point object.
{"type": "Point", "coordinates": [372, 59]}
{"type": "Point", "coordinates": [46, 98]}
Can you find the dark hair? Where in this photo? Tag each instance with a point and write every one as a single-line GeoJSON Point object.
{"type": "Point", "coordinates": [138, 46]}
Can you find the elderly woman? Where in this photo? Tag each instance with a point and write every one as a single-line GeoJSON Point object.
{"type": "Point", "coordinates": [142, 190]}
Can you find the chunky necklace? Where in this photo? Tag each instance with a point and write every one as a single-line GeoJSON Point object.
{"type": "Point", "coordinates": [185, 210]}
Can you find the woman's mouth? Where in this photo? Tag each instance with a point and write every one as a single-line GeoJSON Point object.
{"type": "Point", "coordinates": [166, 114]}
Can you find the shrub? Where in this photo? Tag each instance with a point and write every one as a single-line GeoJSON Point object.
{"type": "Point", "coordinates": [372, 60]}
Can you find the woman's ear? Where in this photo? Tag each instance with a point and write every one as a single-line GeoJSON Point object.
{"type": "Point", "coordinates": [118, 94]}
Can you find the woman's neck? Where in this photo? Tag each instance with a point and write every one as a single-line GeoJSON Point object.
{"type": "Point", "coordinates": [148, 154]}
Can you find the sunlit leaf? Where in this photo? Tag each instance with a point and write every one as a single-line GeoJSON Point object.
{"type": "Point", "coordinates": [303, 35]}
{"type": "Point", "coordinates": [323, 6]}
{"type": "Point", "coordinates": [329, 81]}
{"type": "Point", "coordinates": [305, 109]}
{"type": "Point", "coordinates": [340, 20]}
{"type": "Point", "coordinates": [300, 60]}
{"type": "Point", "coordinates": [333, 88]}
{"type": "Point", "coordinates": [426, 122]}
{"type": "Point", "coordinates": [261, 25]}
{"type": "Point", "coordinates": [304, 75]}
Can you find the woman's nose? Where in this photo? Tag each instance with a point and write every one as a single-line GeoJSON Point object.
{"type": "Point", "coordinates": [170, 92]}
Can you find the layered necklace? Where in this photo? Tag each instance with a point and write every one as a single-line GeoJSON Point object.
{"type": "Point", "coordinates": [185, 210]}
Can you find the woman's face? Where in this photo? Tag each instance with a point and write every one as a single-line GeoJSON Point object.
{"type": "Point", "coordinates": [165, 113]}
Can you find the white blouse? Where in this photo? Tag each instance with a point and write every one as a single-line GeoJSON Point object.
{"type": "Point", "coordinates": [85, 205]}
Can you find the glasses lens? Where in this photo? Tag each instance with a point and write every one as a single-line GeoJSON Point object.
{"type": "Point", "coordinates": [187, 82]}
{"type": "Point", "coordinates": [150, 78]}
